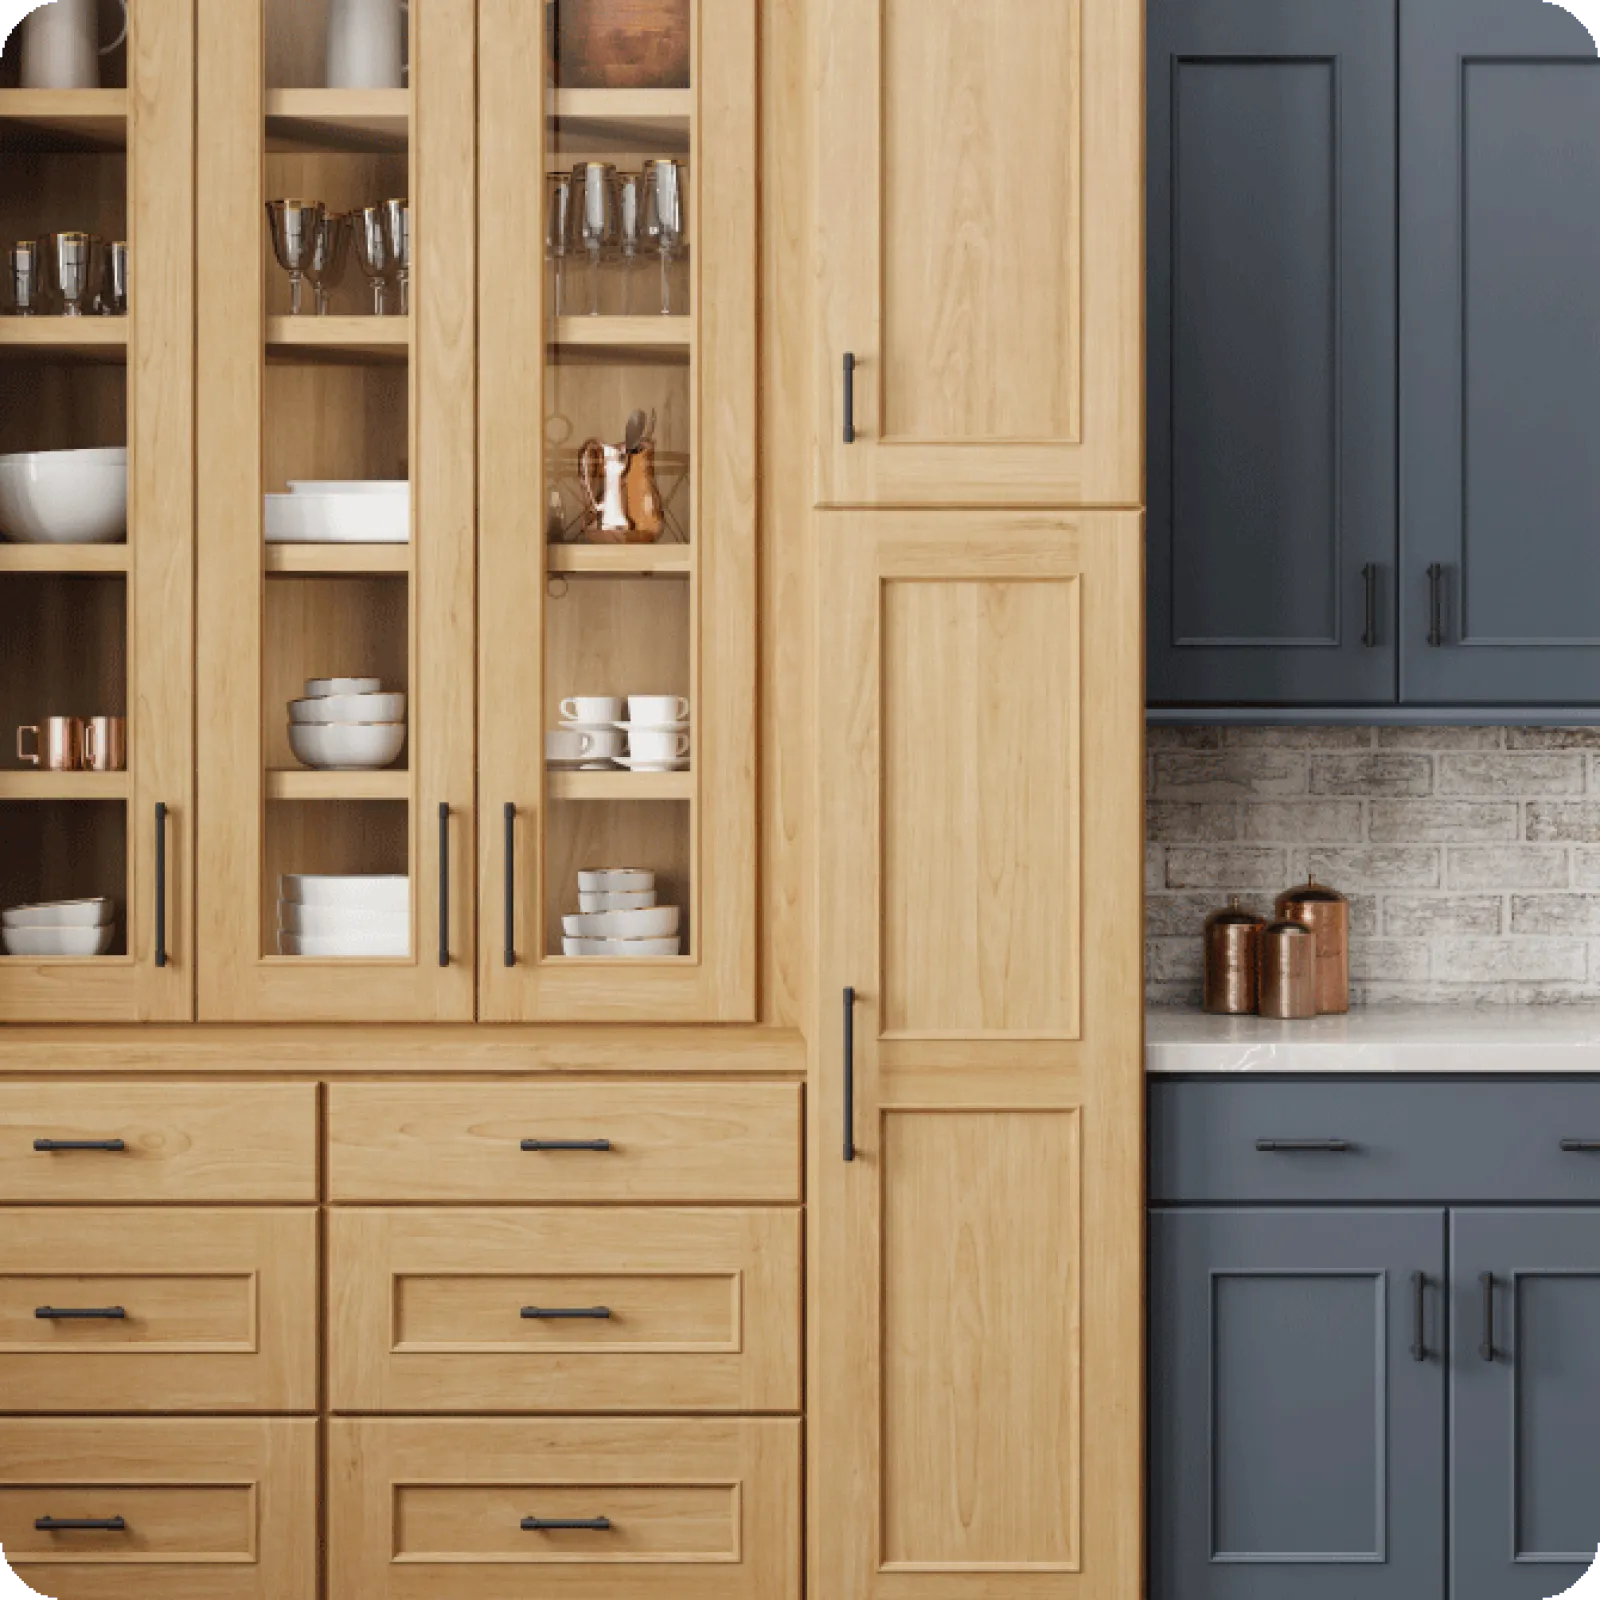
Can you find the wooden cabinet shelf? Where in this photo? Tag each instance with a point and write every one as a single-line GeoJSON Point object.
{"type": "Point", "coordinates": [377, 120]}
{"type": "Point", "coordinates": [334, 560]}
{"type": "Point", "coordinates": [636, 121]}
{"type": "Point", "coordinates": [338, 338]}
{"type": "Point", "coordinates": [303, 784]}
{"type": "Point", "coordinates": [63, 119]}
{"type": "Point", "coordinates": [621, 785]}
{"type": "Point", "coordinates": [65, 558]}
{"type": "Point", "coordinates": [617, 336]}
{"type": "Point", "coordinates": [32, 785]}
{"type": "Point", "coordinates": [87, 338]}
{"type": "Point", "coordinates": [623, 559]}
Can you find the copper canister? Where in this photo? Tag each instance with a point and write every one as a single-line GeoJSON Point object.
{"type": "Point", "coordinates": [1326, 913]}
{"type": "Point", "coordinates": [1233, 938]}
{"type": "Point", "coordinates": [1288, 984]}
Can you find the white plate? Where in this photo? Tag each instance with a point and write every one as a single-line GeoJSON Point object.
{"type": "Point", "coordinates": [616, 880]}
{"type": "Point", "coordinates": [65, 497]}
{"type": "Point", "coordinates": [349, 708]}
{"type": "Point", "coordinates": [362, 893]}
{"type": "Point", "coordinates": [338, 519]}
{"type": "Point", "coordinates": [591, 903]}
{"type": "Point", "coordinates": [322, 688]}
{"type": "Point", "coordinates": [346, 947]}
{"type": "Point", "coordinates": [680, 765]}
{"type": "Point", "coordinates": [58, 941]}
{"type": "Point", "coordinates": [652, 727]}
{"type": "Point", "coordinates": [622, 949]}
{"type": "Point", "coordinates": [333, 922]}
{"type": "Point", "coordinates": [349, 486]}
{"type": "Point", "coordinates": [347, 746]}
{"type": "Point", "coordinates": [61, 914]}
{"type": "Point", "coordinates": [661, 922]}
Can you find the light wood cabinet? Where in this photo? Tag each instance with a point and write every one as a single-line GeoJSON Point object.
{"type": "Point", "coordinates": [976, 1187]}
{"type": "Point", "coordinates": [979, 240]}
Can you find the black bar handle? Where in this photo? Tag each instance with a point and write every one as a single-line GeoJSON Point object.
{"type": "Point", "coordinates": [1369, 634]}
{"type": "Point", "coordinates": [1435, 606]}
{"type": "Point", "coordinates": [849, 398]}
{"type": "Point", "coordinates": [539, 1146]}
{"type": "Point", "coordinates": [47, 1146]}
{"type": "Point", "coordinates": [161, 883]}
{"type": "Point", "coordinates": [1487, 1349]}
{"type": "Point", "coordinates": [91, 1314]}
{"type": "Point", "coordinates": [1335, 1147]}
{"type": "Point", "coordinates": [1578, 1147]}
{"type": "Point", "coordinates": [1419, 1316]}
{"type": "Point", "coordinates": [566, 1313]}
{"type": "Point", "coordinates": [80, 1525]}
{"type": "Point", "coordinates": [511, 884]}
{"type": "Point", "coordinates": [444, 884]}
{"type": "Point", "coordinates": [566, 1525]}
{"type": "Point", "coordinates": [849, 1074]}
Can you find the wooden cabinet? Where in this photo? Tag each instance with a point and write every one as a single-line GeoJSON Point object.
{"type": "Point", "coordinates": [978, 199]}
{"type": "Point", "coordinates": [976, 1180]}
{"type": "Point", "coordinates": [105, 630]}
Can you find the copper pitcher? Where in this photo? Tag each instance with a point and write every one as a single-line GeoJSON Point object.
{"type": "Point", "coordinates": [647, 515]}
{"type": "Point", "coordinates": [603, 469]}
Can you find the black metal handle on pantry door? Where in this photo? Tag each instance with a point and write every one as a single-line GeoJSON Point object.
{"type": "Point", "coordinates": [539, 1146]}
{"type": "Point", "coordinates": [80, 1525]}
{"type": "Point", "coordinates": [1435, 606]}
{"type": "Point", "coordinates": [1419, 1316]}
{"type": "Point", "coordinates": [1578, 1147]}
{"type": "Point", "coordinates": [88, 1314]}
{"type": "Point", "coordinates": [849, 398]}
{"type": "Point", "coordinates": [1369, 634]}
{"type": "Point", "coordinates": [444, 884]}
{"type": "Point", "coordinates": [511, 884]}
{"type": "Point", "coordinates": [849, 1074]}
{"type": "Point", "coordinates": [566, 1525]}
{"type": "Point", "coordinates": [1334, 1147]}
{"type": "Point", "coordinates": [1487, 1349]}
{"type": "Point", "coordinates": [566, 1313]}
{"type": "Point", "coordinates": [49, 1146]}
{"type": "Point", "coordinates": [161, 883]}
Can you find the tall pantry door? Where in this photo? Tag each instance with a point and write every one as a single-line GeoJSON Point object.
{"type": "Point", "coordinates": [977, 1218]}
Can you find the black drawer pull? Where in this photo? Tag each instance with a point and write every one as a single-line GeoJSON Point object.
{"type": "Point", "coordinates": [80, 1525]}
{"type": "Point", "coordinates": [1487, 1349]}
{"type": "Point", "coordinates": [849, 398]}
{"type": "Point", "coordinates": [1333, 1147]}
{"type": "Point", "coordinates": [1578, 1147]}
{"type": "Point", "coordinates": [444, 884]}
{"type": "Point", "coordinates": [161, 883]}
{"type": "Point", "coordinates": [1419, 1316]}
{"type": "Point", "coordinates": [88, 1314]}
{"type": "Point", "coordinates": [566, 1525]}
{"type": "Point", "coordinates": [536, 1146]}
{"type": "Point", "coordinates": [849, 1074]}
{"type": "Point", "coordinates": [511, 885]}
{"type": "Point", "coordinates": [566, 1313]}
{"type": "Point", "coordinates": [1369, 634]}
{"type": "Point", "coordinates": [48, 1146]}
{"type": "Point", "coordinates": [1435, 606]}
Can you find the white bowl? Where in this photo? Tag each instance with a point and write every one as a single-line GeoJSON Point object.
{"type": "Point", "coordinates": [333, 922]}
{"type": "Point", "coordinates": [347, 746]}
{"type": "Point", "coordinates": [362, 893]}
{"type": "Point", "coordinates": [660, 923]}
{"type": "Point", "coordinates": [622, 949]}
{"type": "Point", "coordinates": [320, 518]}
{"type": "Point", "coordinates": [590, 903]}
{"type": "Point", "coordinates": [349, 708]}
{"type": "Point", "coordinates": [65, 497]}
{"type": "Point", "coordinates": [58, 941]}
{"type": "Point", "coordinates": [349, 486]}
{"type": "Point", "coordinates": [346, 946]}
{"type": "Point", "coordinates": [616, 880]}
{"type": "Point", "coordinates": [322, 688]}
{"type": "Point", "coordinates": [61, 914]}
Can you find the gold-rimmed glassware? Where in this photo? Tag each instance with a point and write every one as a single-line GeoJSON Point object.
{"type": "Point", "coordinates": [397, 225]}
{"type": "Point", "coordinates": [370, 237]}
{"type": "Point", "coordinates": [294, 225]}
{"type": "Point", "coordinates": [72, 264]}
{"type": "Point", "coordinates": [330, 252]}
{"type": "Point", "coordinates": [24, 278]}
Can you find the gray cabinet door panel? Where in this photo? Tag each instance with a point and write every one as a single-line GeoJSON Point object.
{"type": "Point", "coordinates": [1525, 1487]}
{"type": "Point", "coordinates": [1272, 172]}
{"type": "Point", "coordinates": [1500, 352]}
{"type": "Point", "coordinates": [1297, 1448]}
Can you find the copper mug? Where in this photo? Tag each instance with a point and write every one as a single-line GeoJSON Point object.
{"type": "Point", "coordinates": [57, 744]}
{"type": "Point", "coordinates": [105, 744]}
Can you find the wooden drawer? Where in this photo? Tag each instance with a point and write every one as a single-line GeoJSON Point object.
{"type": "Point", "coordinates": [219, 1310]}
{"type": "Point", "coordinates": [436, 1510]}
{"type": "Point", "coordinates": [683, 1310]}
{"type": "Point", "coordinates": [212, 1510]}
{"type": "Point", "coordinates": [490, 1142]}
{"type": "Point", "coordinates": [179, 1141]}
{"type": "Point", "coordinates": [1277, 1141]}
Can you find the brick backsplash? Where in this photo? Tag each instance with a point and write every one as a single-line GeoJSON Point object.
{"type": "Point", "coordinates": [1471, 856]}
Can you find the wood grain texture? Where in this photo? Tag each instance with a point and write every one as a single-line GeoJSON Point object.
{"type": "Point", "coordinates": [216, 1509]}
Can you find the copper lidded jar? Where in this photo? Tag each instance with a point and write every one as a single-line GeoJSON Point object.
{"type": "Point", "coordinates": [1233, 938]}
{"type": "Point", "coordinates": [1288, 985]}
{"type": "Point", "coordinates": [1326, 913]}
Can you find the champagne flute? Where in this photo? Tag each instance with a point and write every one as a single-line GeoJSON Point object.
{"type": "Point", "coordinates": [558, 232]}
{"type": "Point", "coordinates": [397, 224]}
{"type": "Point", "coordinates": [595, 185]}
{"type": "Point", "coordinates": [664, 219]}
{"type": "Point", "coordinates": [114, 294]}
{"type": "Point", "coordinates": [24, 277]}
{"type": "Point", "coordinates": [294, 225]}
{"type": "Point", "coordinates": [329, 254]}
{"type": "Point", "coordinates": [372, 252]}
{"type": "Point", "coordinates": [630, 229]}
{"type": "Point", "coordinates": [72, 261]}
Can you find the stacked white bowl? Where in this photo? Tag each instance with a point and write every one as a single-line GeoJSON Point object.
{"type": "Point", "coordinates": [347, 725]}
{"type": "Point", "coordinates": [355, 511]}
{"type": "Point", "coordinates": [343, 918]}
{"type": "Point", "coordinates": [65, 496]}
{"type": "Point", "coordinates": [59, 928]}
{"type": "Point", "coordinates": [619, 917]}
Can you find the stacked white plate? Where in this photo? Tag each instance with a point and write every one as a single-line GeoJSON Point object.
{"type": "Point", "coordinates": [619, 917]}
{"type": "Point", "coordinates": [347, 725]}
{"type": "Point", "coordinates": [344, 918]}
{"type": "Point", "coordinates": [341, 512]}
{"type": "Point", "coordinates": [59, 928]}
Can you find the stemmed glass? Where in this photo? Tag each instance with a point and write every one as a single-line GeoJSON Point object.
{"type": "Point", "coordinates": [397, 224]}
{"type": "Point", "coordinates": [558, 232]}
{"type": "Point", "coordinates": [595, 184]}
{"type": "Point", "coordinates": [329, 252]}
{"type": "Point", "coordinates": [73, 265]}
{"type": "Point", "coordinates": [664, 220]}
{"type": "Point", "coordinates": [24, 277]}
{"type": "Point", "coordinates": [295, 225]}
{"type": "Point", "coordinates": [630, 228]}
{"type": "Point", "coordinates": [372, 252]}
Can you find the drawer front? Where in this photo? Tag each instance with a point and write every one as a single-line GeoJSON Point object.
{"type": "Point", "coordinates": [595, 1310]}
{"type": "Point", "coordinates": [148, 1310]}
{"type": "Point", "coordinates": [675, 1510]}
{"type": "Point", "coordinates": [187, 1510]}
{"type": "Point", "coordinates": [627, 1143]}
{"type": "Point", "coordinates": [1371, 1139]}
{"type": "Point", "coordinates": [128, 1143]}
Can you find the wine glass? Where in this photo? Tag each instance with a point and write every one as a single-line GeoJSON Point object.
{"type": "Point", "coordinates": [72, 262]}
{"type": "Point", "coordinates": [330, 252]}
{"type": "Point", "coordinates": [558, 232]}
{"type": "Point", "coordinates": [595, 186]}
{"type": "Point", "coordinates": [630, 228]}
{"type": "Point", "coordinates": [294, 225]}
{"type": "Point", "coordinates": [372, 252]}
{"type": "Point", "coordinates": [664, 220]}
{"type": "Point", "coordinates": [397, 224]}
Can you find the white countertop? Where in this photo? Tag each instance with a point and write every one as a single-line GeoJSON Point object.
{"type": "Point", "coordinates": [1380, 1039]}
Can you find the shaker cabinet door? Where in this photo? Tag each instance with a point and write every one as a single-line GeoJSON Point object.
{"type": "Point", "coordinates": [977, 198]}
{"type": "Point", "coordinates": [1500, 353]}
{"type": "Point", "coordinates": [1272, 172]}
{"type": "Point", "coordinates": [1296, 1436]}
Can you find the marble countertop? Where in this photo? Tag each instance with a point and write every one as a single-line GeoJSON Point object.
{"type": "Point", "coordinates": [1380, 1039]}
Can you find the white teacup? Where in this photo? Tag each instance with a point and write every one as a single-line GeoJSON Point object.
{"type": "Point", "coordinates": [593, 711]}
{"type": "Point", "coordinates": [657, 711]}
{"type": "Point", "coordinates": [603, 746]}
{"type": "Point", "coordinates": [564, 744]}
{"type": "Point", "coordinates": [655, 744]}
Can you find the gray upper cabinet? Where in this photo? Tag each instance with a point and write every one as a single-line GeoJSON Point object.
{"type": "Point", "coordinates": [1272, 171]}
{"type": "Point", "coordinates": [1500, 352]}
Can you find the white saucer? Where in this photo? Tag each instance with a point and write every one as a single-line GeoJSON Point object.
{"type": "Point", "coordinates": [589, 727]}
{"type": "Point", "coordinates": [680, 765]}
{"type": "Point", "coordinates": [644, 727]}
{"type": "Point", "coordinates": [582, 764]}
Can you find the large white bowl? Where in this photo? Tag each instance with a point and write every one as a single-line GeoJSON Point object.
{"type": "Point", "coordinates": [366, 892]}
{"type": "Point", "coordinates": [616, 880]}
{"type": "Point", "coordinates": [661, 923]}
{"type": "Point", "coordinates": [323, 688]}
{"type": "Point", "coordinates": [61, 914]}
{"type": "Point", "coordinates": [623, 949]}
{"type": "Point", "coordinates": [308, 518]}
{"type": "Point", "coordinates": [347, 746]}
{"type": "Point", "coordinates": [349, 708]}
{"type": "Point", "coordinates": [65, 497]}
{"type": "Point", "coordinates": [331, 922]}
{"type": "Point", "coordinates": [58, 941]}
{"type": "Point", "coordinates": [346, 947]}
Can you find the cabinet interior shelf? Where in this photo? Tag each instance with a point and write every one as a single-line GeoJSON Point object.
{"type": "Point", "coordinates": [102, 339]}
{"type": "Point", "coordinates": [375, 120]}
{"type": "Point", "coordinates": [66, 558]}
{"type": "Point", "coordinates": [338, 339]}
{"type": "Point", "coordinates": [621, 785]}
{"type": "Point", "coordinates": [31, 785]}
{"type": "Point", "coordinates": [624, 560]}
{"type": "Point", "coordinates": [336, 560]}
{"type": "Point", "coordinates": [63, 119]}
{"type": "Point", "coordinates": [643, 121]}
{"type": "Point", "coordinates": [302, 784]}
{"type": "Point", "coordinates": [671, 338]}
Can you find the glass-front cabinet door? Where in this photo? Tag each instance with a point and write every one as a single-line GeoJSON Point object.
{"type": "Point", "coordinates": [336, 324]}
{"type": "Point", "coordinates": [96, 514]}
{"type": "Point", "coordinates": [617, 669]}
